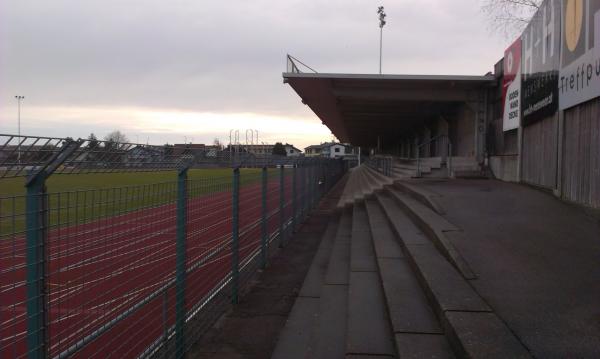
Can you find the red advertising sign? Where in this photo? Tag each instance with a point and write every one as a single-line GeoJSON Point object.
{"type": "Point", "coordinates": [511, 86]}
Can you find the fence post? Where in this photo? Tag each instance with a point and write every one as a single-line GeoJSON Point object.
{"type": "Point", "coordinates": [180, 271]}
{"type": "Point", "coordinates": [235, 245]}
{"type": "Point", "coordinates": [294, 199]}
{"type": "Point", "coordinates": [165, 323]}
{"type": "Point", "coordinates": [304, 189]}
{"type": "Point", "coordinates": [449, 160]}
{"type": "Point", "coordinates": [263, 220]}
{"type": "Point", "coordinates": [310, 188]}
{"type": "Point", "coordinates": [36, 222]}
{"type": "Point", "coordinates": [313, 185]}
{"type": "Point", "coordinates": [281, 207]}
{"type": "Point", "coordinates": [418, 173]}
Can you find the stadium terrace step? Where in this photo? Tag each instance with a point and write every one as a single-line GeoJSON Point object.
{"type": "Point", "coordinates": [404, 173]}
{"type": "Point", "coordinates": [470, 325]}
{"type": "Point", "coordinates": [421, 194]}
{"type": "Point", "coordinates": [435, 227]}
{"type": "Point", "coordinates": [368, 331]}
{"type": "Point", "coordinates": [362, 182]}
{"type": "Point", "coordinates": [330, 331]}
{"type": "Point", "coordinates": [380, 286]}
{"type": "Point", "coordinates": [296, 338]}
{"type": "Point", "coordinates": [417, 331]}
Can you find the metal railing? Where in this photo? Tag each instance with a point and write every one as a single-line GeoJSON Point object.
{"type": "Point", "coordinates": [443, 148]}
{"type": "Point", "coordinates": [382, 164]}
{"type": "Point", "coordinates": [292, 65]}
{"type": "Point", "coordinates": [134, 265]}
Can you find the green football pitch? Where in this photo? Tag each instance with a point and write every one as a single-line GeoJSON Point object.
{"type": "Point", "coordinates": [79, 198]}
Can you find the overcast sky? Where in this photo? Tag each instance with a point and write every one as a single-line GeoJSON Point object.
{"type": "Point", "coordinates": [167, 69]}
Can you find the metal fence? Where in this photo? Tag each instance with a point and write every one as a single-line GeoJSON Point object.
{"type": "Point", "coordinates": [382, 164]}
{"type": "Point", "coordinates": [140, 270]}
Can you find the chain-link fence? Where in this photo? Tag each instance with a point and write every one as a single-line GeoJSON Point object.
{"type": "Point", "coordinates": [135, 270]}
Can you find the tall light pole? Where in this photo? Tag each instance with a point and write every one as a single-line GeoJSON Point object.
{"type": "Point", "coordinates": [382, 16]}
{"type": "Point", "coordinates": [19, 99]}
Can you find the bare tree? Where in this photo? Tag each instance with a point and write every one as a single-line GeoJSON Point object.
{"type": "Point", "coordinates": [217, 143]}
{"type": "Point", "coordinates": [509, 17]}
{"type": "Point", "coordinates": [116, 136]}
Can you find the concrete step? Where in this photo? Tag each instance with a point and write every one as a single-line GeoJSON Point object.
{"type": "Point", "coordinates": [362, 256]}
{"type": "Point", "coordinates": [417, 331]}
{"type": "Point", "coordinates": [350, 188]}
{"type": "Point", "coordinates": [297, 337]}
{"type": "Point", "coordinates": [403, 173]}
{"type": "Point", "coordinates": [364, 184]}
{"type": "Point", "coordinates": [369, 331]}
{"type": "Point", "coordinates": [413, 167]}
{"type": "Point", "coordinates": [330, 330]}
{"type": "Point", "coordinates": [435, 227]}
{"type": "Point", "coordinates": [474, 331]}
{"type": "Point", "coordinates": [313, 283]}
{"type": "Point", "coordinates": [421, 194]}
{"type": "Point", "coordinates": [469, 173]}
{"type": "Point", "coordinates": [380, 179]}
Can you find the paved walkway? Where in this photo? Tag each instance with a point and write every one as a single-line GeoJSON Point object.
{"type": "Point", "coordinates": [537, 261]}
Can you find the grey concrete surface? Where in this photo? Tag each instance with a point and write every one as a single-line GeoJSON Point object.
{"type": "Point", "coordinates": [330, 332]}
{"type": "Point", "coordinates": [537, 260]}
{"type": "Point", "coordinates": [423, 346]}
{"type": "Point", "coordinates": [384, 240]}
{"type": "Point", "coordinates": [368, 330]}
{"type": "Point", "coordinates": [362, 256]}
{"type": "Point", "coordinates": [409, 310]}
{"type": "Point", "coordinates": [295, 337]}
{"type": "Point", "coordinates": [447, 288]}
{"type": "Point", "coordinates": [339, 262]}
{"type": "Point", "coordinates": [402, 224]}
{"type": "Point", "coordinates": [313, 282]}
{"type": "Point", "coordinates": [483, 335]}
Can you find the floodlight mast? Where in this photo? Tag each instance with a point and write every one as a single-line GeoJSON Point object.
{"type": "Point", "coordinates": [19, 99]}
{"type": "Point", "coordinates": [382, 15]}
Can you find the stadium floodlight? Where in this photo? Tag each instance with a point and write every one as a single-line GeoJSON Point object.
{"type": "Point", "coordinates": [382, 15]}
{"type": "Point", "coordinates": [19, 99]}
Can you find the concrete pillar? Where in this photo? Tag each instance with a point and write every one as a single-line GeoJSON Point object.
{"type": "Point", "coordinates": [442, 130]}
{"type": "Point", "coordinates": [415, 145]}
{"type": "Point", "coordinates": [426, 138]}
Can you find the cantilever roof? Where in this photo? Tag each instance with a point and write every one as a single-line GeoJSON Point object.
{"type": "Point", "coordinates": [358, 108]}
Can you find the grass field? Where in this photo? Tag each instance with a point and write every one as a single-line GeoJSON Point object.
{"type": "Point", "coordinates": [75, 199]}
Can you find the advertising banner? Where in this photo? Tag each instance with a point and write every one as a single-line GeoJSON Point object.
{"type": "Point", "coordinates": [580, 60]}
{"type": "Point", "coordinates": [511, 87]}
{"type": "Point", "coordinates": [540, 44]}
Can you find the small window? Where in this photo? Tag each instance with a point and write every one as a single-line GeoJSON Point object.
{"type": "Point", "coordinates": [337, 149]}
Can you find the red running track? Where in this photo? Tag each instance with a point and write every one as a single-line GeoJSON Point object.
{"type": "Point", "coordinates": [99, 269]}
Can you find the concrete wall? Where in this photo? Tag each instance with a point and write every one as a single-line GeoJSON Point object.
{"type": "Point", "coordinates": [462, 132]}
{"type": "Point", "coordinates": [540, 153]}
{"type": "Point", "coordinates": [505, 168]}
{"type": "Point", "coordinates": [581, 154]}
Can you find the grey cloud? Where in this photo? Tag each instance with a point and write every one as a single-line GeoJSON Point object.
{"type": "Point", "coordinates": [224, 56]}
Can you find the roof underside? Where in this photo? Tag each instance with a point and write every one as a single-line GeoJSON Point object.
{"type": "Point", "coordinates": [360, 108]}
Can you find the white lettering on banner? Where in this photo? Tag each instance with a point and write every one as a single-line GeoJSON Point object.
{"type": "Point", "coordinates": [511, 87]}
{"type": "Point", "coordinates": [528, 52]}
{"type": "Point", "coordinates": [597, 33]}
{"type": "Point", "coordinates": [548, 30]}
{"type": "Point", "coordinates": [579, 79]}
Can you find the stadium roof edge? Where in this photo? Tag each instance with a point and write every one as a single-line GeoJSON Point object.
{"type": "Point", "coordinates": [361, 108]}
{"type": "Point", "coordinates": [483, 78]}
